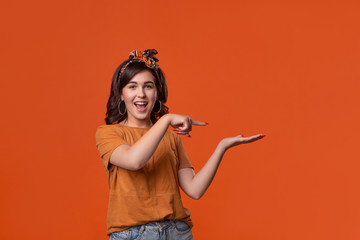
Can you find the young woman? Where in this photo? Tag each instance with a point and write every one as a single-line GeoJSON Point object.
{"type": "Point", "coordinates": [145, 162]}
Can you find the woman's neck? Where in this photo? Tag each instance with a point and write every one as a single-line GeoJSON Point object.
{"type": "Point", "coordinates": [137, 124]}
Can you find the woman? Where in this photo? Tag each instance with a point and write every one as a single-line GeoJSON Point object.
{"type": "Point", "coordinates": [144, 162]}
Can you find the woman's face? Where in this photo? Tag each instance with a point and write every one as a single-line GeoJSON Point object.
{"type": "Point", "coordinates": [140, 95]}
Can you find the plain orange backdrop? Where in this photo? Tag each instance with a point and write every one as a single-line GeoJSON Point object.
{"type": "Point", "coordinates": [287, 69]}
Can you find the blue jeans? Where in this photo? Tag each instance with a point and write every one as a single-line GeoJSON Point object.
{"type": "Point", "coordinates": [162, 230]}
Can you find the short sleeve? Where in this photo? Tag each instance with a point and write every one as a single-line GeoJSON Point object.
{"type": "Point", "coordinates": [184, 161]}
{"type": "Point", "coordinates": [107, 139]}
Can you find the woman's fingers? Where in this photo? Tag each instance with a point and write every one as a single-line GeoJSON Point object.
{"type": "Point", "coordinates": [185, 128]}
{"type": "Point", "coordinates": [183, 124]}
{"type": "Point", "coordinates": [182, 133]}
{"type": "Point", "coordinates": [257, 136]}
{"type": "Point", "coordinates": [197, 123]}
{"type": "Point", "coordinates": [251, 139]}
{"type": "Point", "coordinates": [188, 124]}
{"type": "Point", "coordinates": [239, 139]}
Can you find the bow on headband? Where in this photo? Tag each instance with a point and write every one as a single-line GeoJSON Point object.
{"type": "Point", "coordinates": [147, 56]}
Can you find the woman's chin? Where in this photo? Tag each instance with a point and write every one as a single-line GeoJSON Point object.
{"type": "Point", "coordinates": [140, 115]}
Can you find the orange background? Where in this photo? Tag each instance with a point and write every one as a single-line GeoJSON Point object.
{"type": "Point", "coordinates": [287, 69]}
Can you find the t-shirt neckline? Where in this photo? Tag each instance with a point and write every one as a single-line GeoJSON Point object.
{"type": "Point", "coordinates": [146, 128]}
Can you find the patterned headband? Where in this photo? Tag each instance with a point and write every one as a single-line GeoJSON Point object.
{"type": "Point", "coordinates": [147, 56]}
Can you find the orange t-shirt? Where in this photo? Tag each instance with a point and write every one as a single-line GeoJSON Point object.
{"type": "Point", "coordinates": [149, 194]}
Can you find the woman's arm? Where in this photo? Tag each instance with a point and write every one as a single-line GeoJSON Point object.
{"type": "Point", "coordinates": [195, 185]}
{"type": "Point", "coordinates": [136, 156]}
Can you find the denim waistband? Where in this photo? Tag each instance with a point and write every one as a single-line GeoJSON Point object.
{"type": "Point", "coordinates": [159, 224]}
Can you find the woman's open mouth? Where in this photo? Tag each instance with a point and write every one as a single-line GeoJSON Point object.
{"type": "Point", "coordinates": [140, 106]}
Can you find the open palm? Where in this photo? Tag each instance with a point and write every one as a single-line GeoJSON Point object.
{"type": "Point", "coordinates": [240, 139]}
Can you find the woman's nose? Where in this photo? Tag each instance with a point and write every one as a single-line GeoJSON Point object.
{"type": "Point", "coordinates": [141, 92]}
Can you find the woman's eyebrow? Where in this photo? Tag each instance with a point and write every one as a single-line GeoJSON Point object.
{"type": "Point", "coordinates": [133, 82]}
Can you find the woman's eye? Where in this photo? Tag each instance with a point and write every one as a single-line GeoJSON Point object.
{"type": "Point", "coordinates": [132, 86]}
{"type": "Point", "coordinates": [148, 86]}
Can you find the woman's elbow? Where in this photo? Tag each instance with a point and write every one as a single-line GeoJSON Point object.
{"type": "Point", "coordinates": [195, 196]}
{"type": "Point", "coordinates": [135, 166]}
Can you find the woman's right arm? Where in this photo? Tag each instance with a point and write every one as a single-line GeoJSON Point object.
{"type": "Point", "coordinates": [136, 156]}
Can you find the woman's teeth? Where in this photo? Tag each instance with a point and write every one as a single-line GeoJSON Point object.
{"type": "Point", "coordinates": [140, 106]}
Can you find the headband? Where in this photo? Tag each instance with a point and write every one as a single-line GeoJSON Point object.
{"type": "Point", "coordinates": [147, 56]}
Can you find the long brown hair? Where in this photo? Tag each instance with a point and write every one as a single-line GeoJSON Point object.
{"type": "Point", "coordinates": [121, 79]}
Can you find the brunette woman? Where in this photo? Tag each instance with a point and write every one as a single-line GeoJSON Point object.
{"type": "Point", "coordinates": [145, 162]}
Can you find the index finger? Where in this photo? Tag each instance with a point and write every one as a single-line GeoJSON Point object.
{"type": "Point", "coordinates": [197, 123]}
{"type": "Point", "coordinates": [256, 137]}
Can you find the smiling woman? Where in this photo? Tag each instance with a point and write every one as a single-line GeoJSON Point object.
{"type": "Point", "coordinates": [139, 96]}
{"type": "Point", "coordinates": [144, 162]}
{"type": "Point", "coordinates": [128, 71]}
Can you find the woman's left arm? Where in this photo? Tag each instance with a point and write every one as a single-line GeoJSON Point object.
{"type": "Point", "coordinates": [195, 185]}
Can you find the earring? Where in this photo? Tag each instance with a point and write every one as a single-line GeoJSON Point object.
{"type": "Point", "coordinates": [159, 107]}
{"type": "Point", "coordinates": [119, 108]}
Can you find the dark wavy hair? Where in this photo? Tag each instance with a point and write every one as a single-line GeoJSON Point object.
{"type": "Point", "coordinates": [120, 80]}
